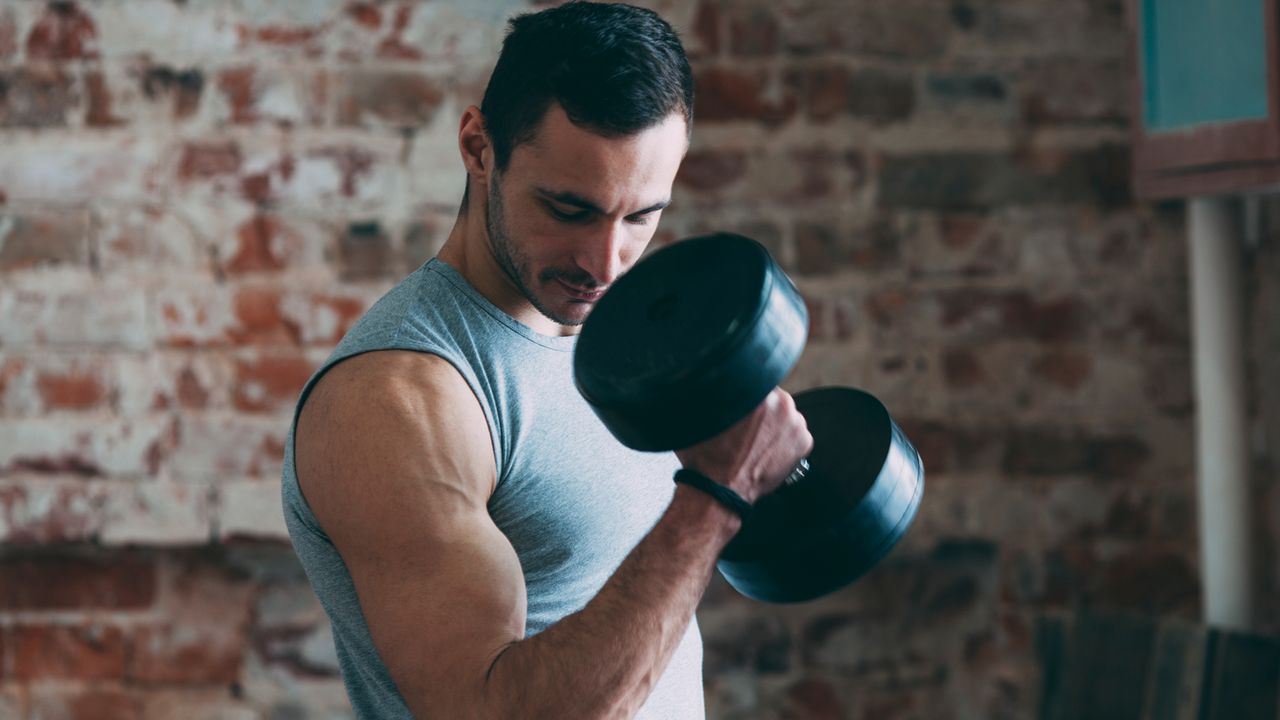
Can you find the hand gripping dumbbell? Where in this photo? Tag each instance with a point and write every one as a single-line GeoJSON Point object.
{"type": "Point", "coordinates": [693, 339]}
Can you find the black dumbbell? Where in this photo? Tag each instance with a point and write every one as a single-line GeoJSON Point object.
{"type": "Point", "coordinates": [690, 341]}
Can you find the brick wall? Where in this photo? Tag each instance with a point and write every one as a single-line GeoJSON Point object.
{"type": "Point", "coordinates": [200, 197]}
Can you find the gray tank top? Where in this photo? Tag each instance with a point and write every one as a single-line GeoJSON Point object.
{"type": "Point", "coordinates": [570, 498]}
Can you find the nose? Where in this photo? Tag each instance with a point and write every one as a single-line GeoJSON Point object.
{"type": "Point", "coordinates": [601, 256]}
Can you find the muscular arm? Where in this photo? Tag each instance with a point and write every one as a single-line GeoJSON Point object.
{"type": "Point", "coordinates": [394, 457]}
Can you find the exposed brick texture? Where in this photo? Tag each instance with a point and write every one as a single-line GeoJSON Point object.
{"type": "Point", "coordinates": [198, 199]}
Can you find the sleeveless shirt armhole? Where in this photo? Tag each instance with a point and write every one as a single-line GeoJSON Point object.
{"type": "Point", "coordinates": [461, 368]}
{"type": "Point", "coordinates": [468, 376]}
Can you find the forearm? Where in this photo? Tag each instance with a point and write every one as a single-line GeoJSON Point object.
{"type": "Point", "coordinates": [605, 659]}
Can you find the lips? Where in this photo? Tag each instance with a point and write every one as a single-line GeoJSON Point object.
{"type": "Point", "coordinates": [580, 293]}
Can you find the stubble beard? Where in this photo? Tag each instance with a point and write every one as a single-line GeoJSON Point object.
{"type": "Point", "coordinates": [514, 263]}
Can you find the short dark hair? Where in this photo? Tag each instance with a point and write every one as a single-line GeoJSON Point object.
{"type": "Point", "coordinates": [615, 69]}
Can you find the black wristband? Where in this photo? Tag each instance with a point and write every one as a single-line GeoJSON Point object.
{"type": "Point", "coordinates": [722, 494]}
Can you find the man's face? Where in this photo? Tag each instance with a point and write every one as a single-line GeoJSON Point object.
{"type": "Point", "coordinates": [574, 210]}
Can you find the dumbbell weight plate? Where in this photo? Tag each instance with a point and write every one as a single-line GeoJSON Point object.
{"type": "Point", "coordinates": [689, 341]}
{"type": "Point", "coordinates": [858, 499]}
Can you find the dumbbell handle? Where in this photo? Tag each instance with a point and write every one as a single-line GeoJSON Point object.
{"type": "Point", "coordinates": [797, 474]}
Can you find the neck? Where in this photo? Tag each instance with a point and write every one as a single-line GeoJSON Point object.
{"type": "Point", "coordinates": [467, 250]}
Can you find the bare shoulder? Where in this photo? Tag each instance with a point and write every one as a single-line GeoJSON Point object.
{"type": "Point", "coordinates": [391, 420]}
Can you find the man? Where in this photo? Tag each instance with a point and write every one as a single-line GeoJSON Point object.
{"type": "Point", "coordinates": [481, 544]}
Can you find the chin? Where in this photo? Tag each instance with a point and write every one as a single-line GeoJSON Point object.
{"type": "Point", "coordinates": [573, 314]}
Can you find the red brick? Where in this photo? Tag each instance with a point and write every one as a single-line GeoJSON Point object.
{"type": "Point", "coordinates": [1059, 451]}
{"type": "Point", "coordinates": [393, 47]}
{"type": "Point", "coordinates": [963, 245]}
{"type": "Point", "coordinates": [397, 99]}
{"type": "Point", "coordinates": [53, 652]}
{"type": "Point", "coordinates": [219, 316]}
{"type": "Point", "coordinates": [190, 392]}
{"type": "Point", "coordinates": [203, 637]}
{"type": "Point", "coordinates": [705, 170]}
{"type": "Point", "coordinates": [706, 27]}
{"type": "Point", "coordinates": [903, 30]}
{"type": "Point", "coordinates": [165, 381]}
{"type": "Point", "coordinates": [757, 644]}
{"type": "Point", "coordinates": [63, 32]}
{"type": "Point", "coordinates": [245, 90]}
{"type": "Point", "coordinates": [37, 96]}
{"type": "Point", "coordinates": [843, 320]}
{"type": "Point", "coordinates": [40, 581]}
{"type": "Point", "coordinates": [192, 319]}
{"type": "Point", "coordinates": [825, 90]}
{"type": "Point", "coordinates": [1167, 381]}
{"type": "Point", "coordinates": [888, 305]}
{"type": "Point", "coordinates": [367, 15]}
{"type": "Point", "coordinates": [1156, 325]}
{"type": "Point", "coordinates": [237, 85]}
{"type": "Point", "coordinates": [1063, 368]}
{"type": "Point", "coordinates": [935, 442]}
{"type": "Point", "coordinates": [962, 369]}
{"type": "Point", "coordinates": [815, 699]}
{"type": "Point", "coordinates": [262, 187]}
{"type": "Point", "coordinates": [71, 391]}
{"type": "Point", "coordinates": [218, 702]}
{"type": "Point", "coordinates": [816, 249]}
{"type": "Point", "coordinates": [43, 236]}
{"type": "Point", "coordinates": [323, 318]}
{"type": "Point", "coordinates": [727, 95]}
{"type": "Point", "coordinates": [102, 702]}
{"type": "Point", "coordinates": [753, 32]}
{"type": "Point", "coordinates": [10, 368]}
{"type": "Point", "coordinates": [1150, 580]}
{"type": "Point", "coordinates": [49, 511]}
{"type": "Point", "coordinates": [8, 34]}
{"type": "Point", "coordinates": [816, 180]}
{"type": "Point", "coordinates": [270, 383]}
{"type": "Point", "coordinates": [98, 113]}
{"type": "Point", "coordinates": [306, 37]}
{"type": "Point", "coordinates": [819, 311]}
{"type": "Point", "coordinates": [1013, 314]}
{"type": "Point", "coordinates": [203, 160]}
{"type": "Point", "coordinates": [960, 231]}
{"type": "Point", "coordinates": [966, 180]}
{"type": "Point", "coordinates": [260, 247]}
{"type": "Point", "coordinates": [259, 319]}
{"type": "Point", "coordinates": [352, 164]}
{"type": "Point", "coordinates": [1075, 91]}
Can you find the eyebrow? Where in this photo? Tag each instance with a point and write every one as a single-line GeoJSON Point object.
{"type": "Point", "coordinates": [578, 201]}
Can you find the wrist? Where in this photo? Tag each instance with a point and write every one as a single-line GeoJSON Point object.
{"type": "Point", "coordinates": [699, 510]}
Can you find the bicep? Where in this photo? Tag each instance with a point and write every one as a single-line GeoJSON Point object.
{"type": "Point", "coordinates": [398, 475]}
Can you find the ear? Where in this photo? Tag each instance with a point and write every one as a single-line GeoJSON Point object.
{"type": "Point", "coordinates": [474, 145]}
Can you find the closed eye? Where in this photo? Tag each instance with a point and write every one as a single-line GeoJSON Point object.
{"type": "Point", "coordinates": [640, 219]}
{"type": "Point", "coordinates": [567, 216]}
